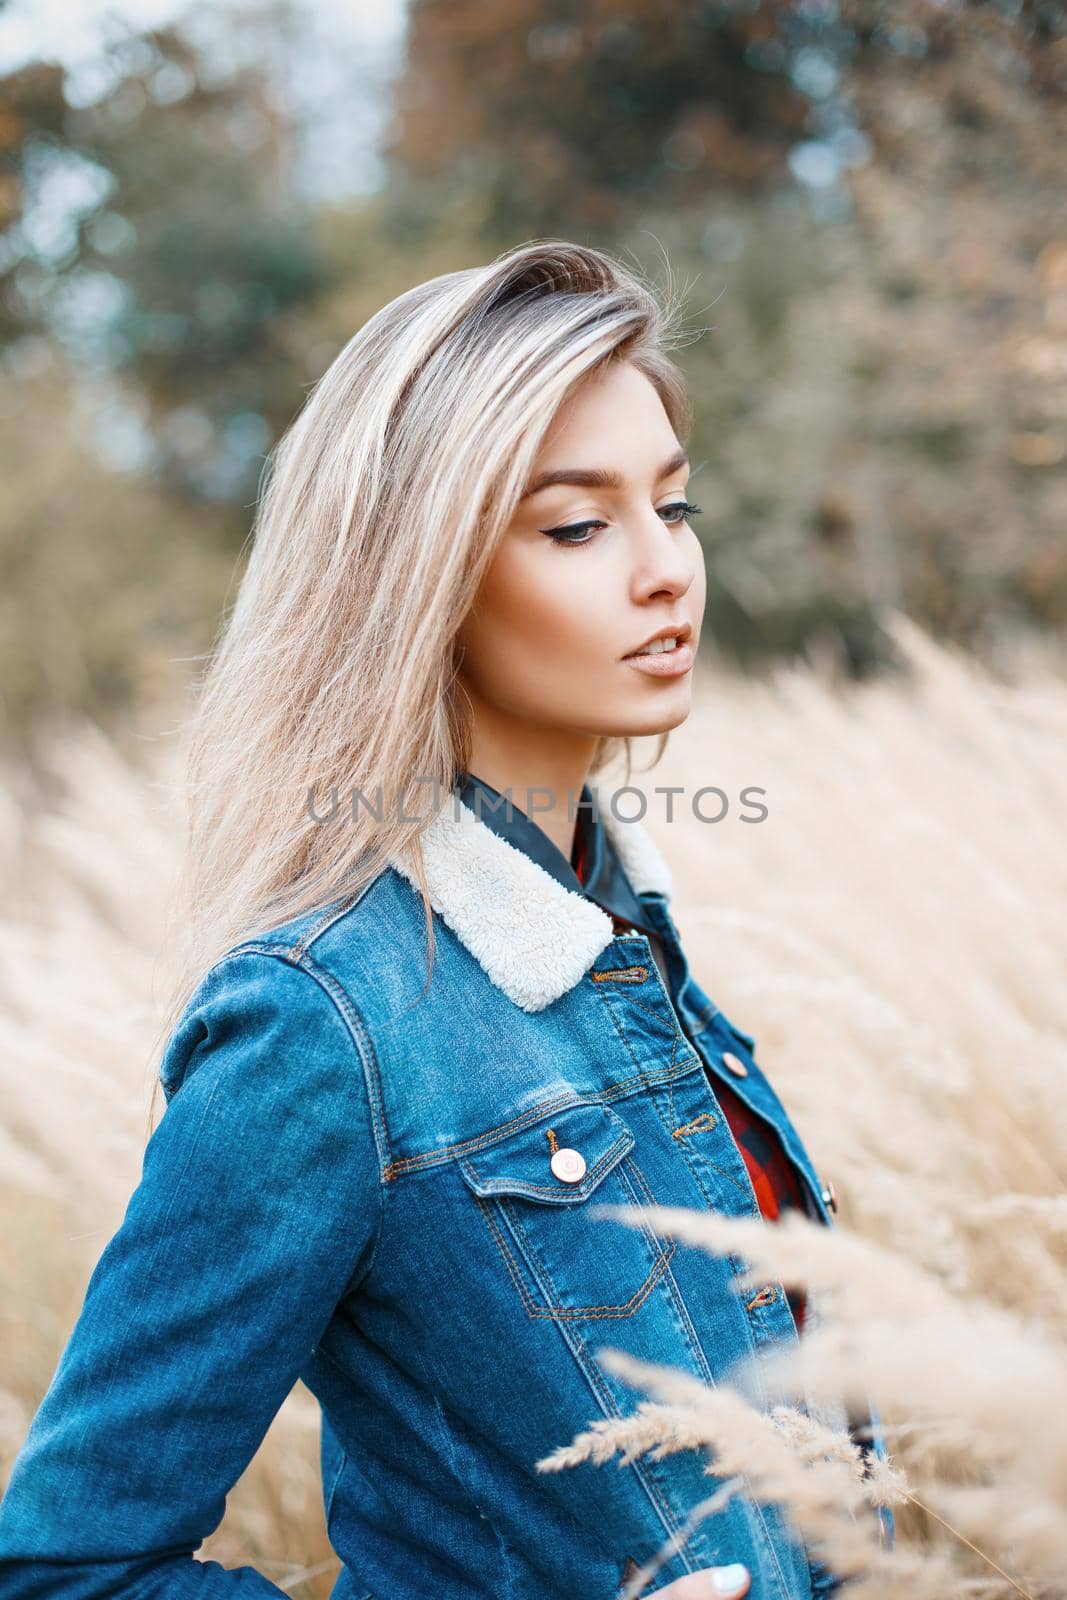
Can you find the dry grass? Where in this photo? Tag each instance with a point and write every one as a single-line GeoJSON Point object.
{"type": "Point", "coordinates": [894, 934]}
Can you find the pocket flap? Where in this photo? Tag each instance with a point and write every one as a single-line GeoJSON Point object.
{"type": "Point", "coordinates": [520, 1163]}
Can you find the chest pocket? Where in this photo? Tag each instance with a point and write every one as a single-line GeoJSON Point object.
{"type": "Point", "coordinates": [564, 1263]}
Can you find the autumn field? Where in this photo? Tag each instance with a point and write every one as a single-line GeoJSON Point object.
{"type": "Point", "coordinates": [894, 934]}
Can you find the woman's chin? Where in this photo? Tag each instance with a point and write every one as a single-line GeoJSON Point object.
{"type": "Point", "coordinates": [647, 721]}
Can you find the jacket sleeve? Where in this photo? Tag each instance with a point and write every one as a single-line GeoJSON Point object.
{"type": "Point", "coordinates": [256, 1212]}
{"type": "Point", "coordinates": [823, 1582]}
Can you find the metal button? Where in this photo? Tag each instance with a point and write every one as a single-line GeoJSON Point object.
{"type": "Point", "coordinates": [735, 1064]}
{"type": "Point", "coordinates": [829, 1196]}
{"type": "Point", "coordinates": [568, 1165]}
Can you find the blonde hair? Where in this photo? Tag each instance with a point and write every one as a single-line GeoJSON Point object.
{"type": "Point", "coordinates": [380, 511]}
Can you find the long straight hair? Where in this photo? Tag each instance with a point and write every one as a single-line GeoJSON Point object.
{"type": "Point", "coordinates": [380, 511]}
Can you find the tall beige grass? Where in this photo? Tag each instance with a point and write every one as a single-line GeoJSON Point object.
{"type": "Point", "coordinates": [894, 934]}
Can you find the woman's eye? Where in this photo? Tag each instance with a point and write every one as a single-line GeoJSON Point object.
{"type": "Point", "coordinates": [568, 534]}
{"type": "Point", "coordinates": [684, 509]}
{"type": "Point", "coordinates": [573, 532]}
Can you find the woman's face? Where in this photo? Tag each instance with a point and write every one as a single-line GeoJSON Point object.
{"type": "Point", "coordinates": [550, 639]}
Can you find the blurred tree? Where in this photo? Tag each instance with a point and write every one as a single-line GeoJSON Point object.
{"type": "Point", "coordinates": [105, 581]}
{"type": "Point", "coordinates": [155, 233]}
{"type": "Point", "coordinates": [580, 115]}
{"type": "Point", "coordinates": [156, 262]}
{"type": "Point", "coordinates": [875, 187]}
{"type": "Point", "coordinates": [865, 195]}
{"type": "Point", "coordinates": [964, 308]}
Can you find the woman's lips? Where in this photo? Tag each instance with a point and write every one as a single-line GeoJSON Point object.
{"type": "Point", "coordinates": [665, 663]}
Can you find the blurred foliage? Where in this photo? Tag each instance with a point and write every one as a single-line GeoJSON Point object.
{"type": "Point", "coordinates": [103, 585]}
{"type": "Point", "coordinates": [861, 201]}
{"type": "Point", "coordinates": [180, 256]}
{"type": "Point", "coordinates": [585, 115]}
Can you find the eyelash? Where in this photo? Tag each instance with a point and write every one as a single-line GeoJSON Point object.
{"type": "Point", "coordinates": [558, 535]}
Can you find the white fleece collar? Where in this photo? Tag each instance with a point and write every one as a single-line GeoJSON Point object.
{"type": "Point", "coordinates": [534, 938]}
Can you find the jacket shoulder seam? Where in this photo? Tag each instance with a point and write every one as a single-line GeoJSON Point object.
{"type": "Point", "coordinates": [363, 1044]}
{"type": "Point", "coordinates": [332, 914]}
{"type": "Point", "coordinates": [351, 1016]}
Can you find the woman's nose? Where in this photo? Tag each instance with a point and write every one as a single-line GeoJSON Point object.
{"type": "Point", "coordinates": [665, 565]}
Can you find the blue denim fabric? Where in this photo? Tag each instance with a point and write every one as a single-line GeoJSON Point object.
{"type": "Point", "coordinates": [606, 884]}
{"type": "Point", "coordinates": [351, 1186]}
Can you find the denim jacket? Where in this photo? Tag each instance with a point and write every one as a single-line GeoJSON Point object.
{"type": "Point", "coordinates": [387, 1189]}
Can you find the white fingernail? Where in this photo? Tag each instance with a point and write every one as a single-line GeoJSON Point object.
{"type": "Point", "coordinates": [724, 1580]}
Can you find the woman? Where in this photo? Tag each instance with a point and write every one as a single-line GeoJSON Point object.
{"type": "Point", "coordinates": [418, 1039]}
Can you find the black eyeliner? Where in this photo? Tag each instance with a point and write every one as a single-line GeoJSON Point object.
{"type": "Point", "coordinates": [689, 509]}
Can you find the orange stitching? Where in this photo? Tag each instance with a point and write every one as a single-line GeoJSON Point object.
{"type": "Point", "coordinates": [763, 1297]}
{"type": "Point", "coordinates": [573, 1313]}
{"type": "Point", "coordinates": [698, 1124]}
{"type": "Point", "coordinates": [621, 975]}
{"type": "Point", "coordinates": [296, 951]}
{"type": "Point", "coordinates": [636, 1176]}
{"type": "Point", "coordinates": [614, 1091]}
{"type": "Point", "coordinates": [509, 1260]}
{"type": "Point", "coordinates": [652, 1484]}
{"type": "Point", "coordinates": [553, 1142]}
{"type": "Point", "coordinates": [656, 1012]}
{"type": "Point", "coordinates": [553, 1188]}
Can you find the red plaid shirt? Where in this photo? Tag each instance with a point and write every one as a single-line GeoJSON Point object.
{"type": "Point", "coordinates": [776, 1184]}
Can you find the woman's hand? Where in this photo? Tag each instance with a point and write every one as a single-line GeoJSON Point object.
{"type": "Point", "coordinates": [710, 1583]}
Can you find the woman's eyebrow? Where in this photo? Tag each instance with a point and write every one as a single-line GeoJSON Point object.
{"type": "Point", "coordinates": [597, 477]}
